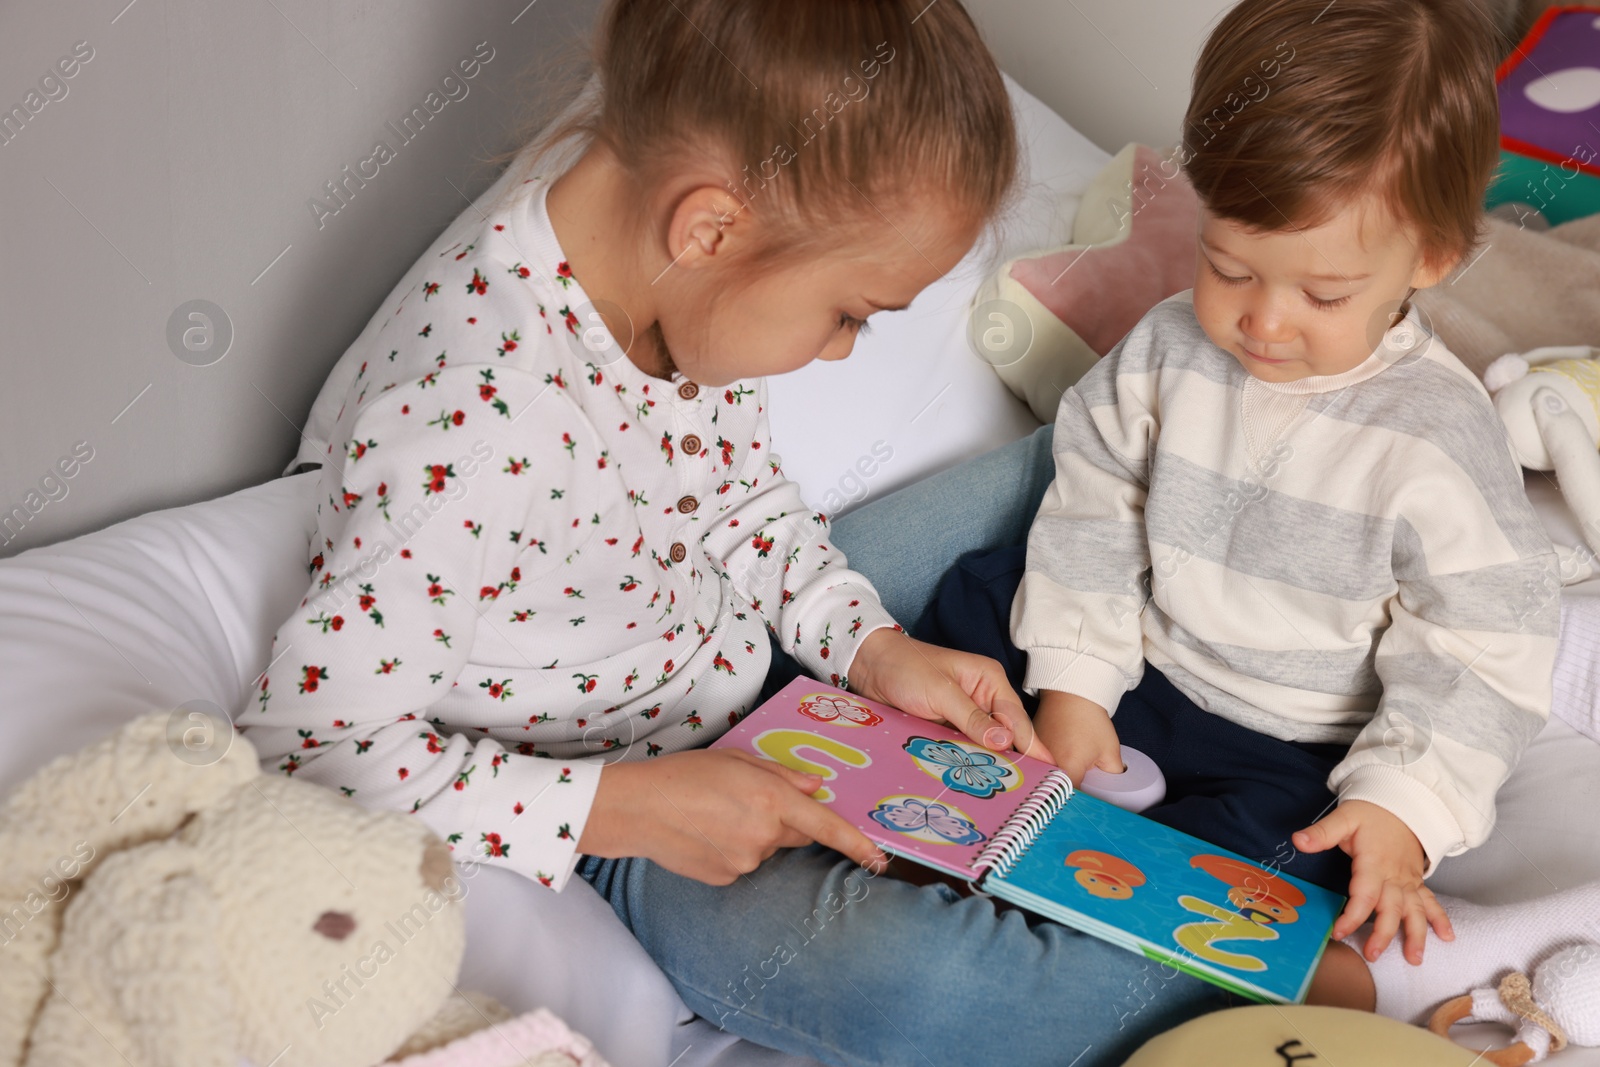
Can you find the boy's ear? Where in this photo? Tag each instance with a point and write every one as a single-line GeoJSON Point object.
{"type": "Point", "coordinates": [1433, 269]}
{"type": "Point", "coordinates": [707, 225]}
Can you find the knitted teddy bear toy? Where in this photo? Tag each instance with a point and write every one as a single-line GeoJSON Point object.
{"type": "Point", "coordinates": [164, 903]}
{"type": "Point", "coordinates": [1549, 400]}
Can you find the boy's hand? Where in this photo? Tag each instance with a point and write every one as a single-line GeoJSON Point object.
{"type": "Point", "coordinates": [967, 691]}
{"type": "Point", "coordinates": [1078, 734]}
{"type": "Point", "coordinates": [1387, 862]}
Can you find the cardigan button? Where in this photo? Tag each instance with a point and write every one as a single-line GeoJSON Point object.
{"type": "Point", "coordinates": [690, 444]}
{"type": "Point", "coordinates": [688, 390]}
{"type": "Point", "coordinates": [677, 553]}
{"type": "Point", "coordinates": [686, 504]}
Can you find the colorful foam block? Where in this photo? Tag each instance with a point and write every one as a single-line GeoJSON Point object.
{"type": "Point", "coordinates": [1550, 118]}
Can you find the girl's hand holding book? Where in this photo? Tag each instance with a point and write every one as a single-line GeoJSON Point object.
{"type": "Point", "coordinates": [714, 815]}
{"type": "Point", "coordinates": [966, 691]}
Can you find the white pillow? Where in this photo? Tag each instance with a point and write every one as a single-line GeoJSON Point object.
{"type": "Point", "coordinates": [914, 398]}
{"type": "Point", "coordinates": [154, 612]}
{"type": "Point", "coordinates": [181, 605]}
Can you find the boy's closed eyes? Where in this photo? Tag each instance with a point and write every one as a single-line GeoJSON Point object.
{"type": "Point", "coordinates": [1303, 301]}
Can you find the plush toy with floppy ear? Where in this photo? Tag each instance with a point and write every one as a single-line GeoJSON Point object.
{"type": "Point", "coordinates": [164, 903]}
{"type": "Point", "coordinates": [1549, 399]}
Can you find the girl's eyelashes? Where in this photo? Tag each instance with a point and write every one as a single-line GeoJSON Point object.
{"type": "Point", "coordinates": [853, 324]}
{"type": "Point", "coordinates": [1318, 302]}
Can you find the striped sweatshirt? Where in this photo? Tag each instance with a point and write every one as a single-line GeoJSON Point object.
{"type": "Point", "coordinates": [1346, 558]}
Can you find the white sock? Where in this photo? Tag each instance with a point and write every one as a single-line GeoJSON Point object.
{"type": "Point", "coordinates": [1491, 941]}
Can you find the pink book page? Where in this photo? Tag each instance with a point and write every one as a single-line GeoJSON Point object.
{"type": "Point", "coordinates": [917, 788]}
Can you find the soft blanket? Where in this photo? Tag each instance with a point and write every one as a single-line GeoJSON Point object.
{"type": "Point", "coordinates": [1522, 289]}
{"type": "Point", "coordinates": [1575, 685]}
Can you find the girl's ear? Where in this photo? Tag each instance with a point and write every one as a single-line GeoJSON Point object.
{"type": "Point", "coordinates": [707, 226]}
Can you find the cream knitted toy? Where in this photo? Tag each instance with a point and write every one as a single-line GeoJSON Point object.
{"type": "Point", "coordinates": [164, 903]}
{"type": "Point", "coordinates": [1549, 399]}
{"type": "Point", "coordinates": [1560, 1005]}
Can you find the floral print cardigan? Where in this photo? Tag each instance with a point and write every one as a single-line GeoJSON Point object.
{"type": "Point", "coordinates": [532, 559]}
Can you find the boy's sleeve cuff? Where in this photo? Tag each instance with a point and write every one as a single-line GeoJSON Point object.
{"type": "Point", "coordinates": [1070, 671]}
{"type": "Point", "coordinates": [1413, 803]}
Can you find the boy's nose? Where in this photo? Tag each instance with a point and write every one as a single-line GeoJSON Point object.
{"type": "Point", "coordinates": [1266, 326]}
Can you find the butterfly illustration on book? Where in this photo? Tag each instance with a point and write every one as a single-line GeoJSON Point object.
{"type": "Point", "coordinates": [976, 774]}
{"type": "Point", "coordinates": [926, 820]}
{"type": "Point", "coordinates": [842, 710]}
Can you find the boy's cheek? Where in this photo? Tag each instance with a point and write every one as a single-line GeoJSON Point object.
{"type": "Point", "coordinates": [1209, 314]}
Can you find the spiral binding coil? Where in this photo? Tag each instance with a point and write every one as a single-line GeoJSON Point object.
{"type": "Point", "coordinates": [1025, 824]}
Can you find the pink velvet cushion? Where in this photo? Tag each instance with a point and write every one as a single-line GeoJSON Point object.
{"type": "Point", "coordinates": [536, 1039]}
{"type": "Point", "coordinates": [1101, 291]}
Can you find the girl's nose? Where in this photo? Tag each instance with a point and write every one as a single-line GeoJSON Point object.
{"type": "Point", "coordinates": [838, 347]}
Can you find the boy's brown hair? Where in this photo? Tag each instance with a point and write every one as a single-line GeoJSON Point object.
{"type": "Point", "coordinates": [820, 111]}
{"type": "Point", "coordinates": [1299, 106]}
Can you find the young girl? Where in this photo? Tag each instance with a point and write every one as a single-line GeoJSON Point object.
{"type": "Point", "coordinates": [553, 541]}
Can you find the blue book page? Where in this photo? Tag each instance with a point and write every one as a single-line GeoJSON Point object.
{"type": "Point", "coordinates": [1173, 897]}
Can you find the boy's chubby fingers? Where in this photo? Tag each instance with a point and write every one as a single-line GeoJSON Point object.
{"type": "Point", "coordinates": [1437, 917]}
{"type": "Point", "coordinates": [1386, 923]}
{"type": "Point", "coordinates": [1111, 761]}
{"type": "Point", "coordinates": [1076, 763]}
{"type": "Point", "coordinates": [1363, 898]}
{"type": "Point", "coordinates": [1325, 833]}
{"type": "Point", "coordinates": [1416, 930]}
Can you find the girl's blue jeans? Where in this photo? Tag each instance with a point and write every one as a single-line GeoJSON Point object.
{"type": "Point", "coordinates": [812, 955]}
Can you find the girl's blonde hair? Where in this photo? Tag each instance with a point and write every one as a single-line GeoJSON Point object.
{"type": "Point", "coordinates": [820, 113]}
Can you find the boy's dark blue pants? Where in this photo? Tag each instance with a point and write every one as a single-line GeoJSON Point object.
{"type": "Point", "coordinates": [1225, 784]}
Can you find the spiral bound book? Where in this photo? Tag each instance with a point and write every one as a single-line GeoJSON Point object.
{"type": "Point", "coordinates": [1015, 828]}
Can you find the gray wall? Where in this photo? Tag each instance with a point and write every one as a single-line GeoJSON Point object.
{"type": "Point", "coordinates": [179, 165]}
{"type": "Point", "coordinates": [1117, 70]}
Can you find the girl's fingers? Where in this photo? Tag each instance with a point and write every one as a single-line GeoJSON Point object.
{"type": "Point", "coordinates": [804, 781]}
{"type": "Point", "coordinates": [954, 705]}
{"type": "Point", "coordinates": [971, 682]}
{"type": "Point", "coordinates": [1026, 739]}
{"type": "Point", "coordinates": [807, 782]}
{"type": "Point", "coordinates": [827, 827]}
{"type": "Point", "coordinates": [1004, 704]}
{"type": "Point", "coordinates": [792, 838]}
{"type": "Point", "coordinates": [1023, 735]}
